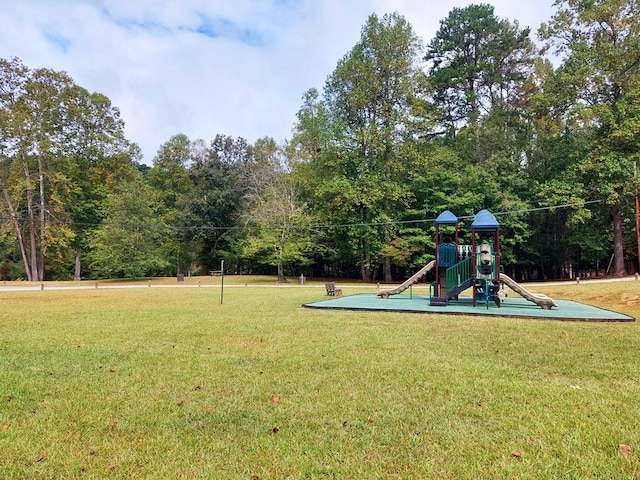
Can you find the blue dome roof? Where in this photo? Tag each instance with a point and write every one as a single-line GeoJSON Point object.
{"type": "Point", "coordinates": [484, 220]}
{"type": "Point", "coordinates": [446, 218]}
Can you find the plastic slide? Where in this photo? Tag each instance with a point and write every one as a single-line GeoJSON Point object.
{"type": "Point", "coordinates": [401, 288]}
{"type": "Point", "coordinates": [538, 298]}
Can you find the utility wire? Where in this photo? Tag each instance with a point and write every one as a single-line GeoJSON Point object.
{"type": "Point", "coordinates": [305, 227]}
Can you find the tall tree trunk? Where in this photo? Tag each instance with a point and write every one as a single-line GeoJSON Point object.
{"type": "Point", "coordinates": [366, 269]}
{"type": "Point", "coordinates": [18, 228]}
{"type": "Point", "coordinates": [365, 273]}
{"type": "Point", "coordinates": [43, 245]}
{"type": "Point", "coordinates": [33, 242]}
{"type": "Point", "coordinates": [387, 274]}
{"type": "Point", "coordinates": [281, 277]}
{"type": "Point", "coordinates": [77, 270]}
{"type": "Point", "coordinates": [388, 278]}
{"type": "Point", "coordinates": [618, 250]}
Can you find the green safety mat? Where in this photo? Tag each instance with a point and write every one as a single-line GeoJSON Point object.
{"type": "Point", "coordinates": [511, 307]}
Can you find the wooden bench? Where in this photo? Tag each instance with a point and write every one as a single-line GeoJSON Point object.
{"type": "Point", "coordinates": [332, 290]}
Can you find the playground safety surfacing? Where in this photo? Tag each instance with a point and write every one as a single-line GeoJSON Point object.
{"type": "Point", "coordinates": [510, 307]}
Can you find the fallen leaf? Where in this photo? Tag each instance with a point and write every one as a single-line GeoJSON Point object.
{"type": "Point", "coordinates": [41, 458]}
{"type": "Point", "coordinates": [275, 430]}
{"type": "Point", "coordinates": [6, 426]}
{"type": "Point", "coordinates": [625, 450]}
{"type": "Point", "coordinates": [369, 420]}
{"type": "Point", "coordinates": [9, 397]}
{"type": "Point", "coordinates": [275, 399]}
{"type": "Point", "coordinates": [197, 387]}
{"type": "Point", "coordinates": [516, 454]}
{"type": "Point", "coordinates": [112, 425]}
{"type": "Point", "coordinates": [180, 403]}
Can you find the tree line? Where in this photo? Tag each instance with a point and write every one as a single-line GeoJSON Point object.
{"type": "Point", "coordinates": [545, 135]}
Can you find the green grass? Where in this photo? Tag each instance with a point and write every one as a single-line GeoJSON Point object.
{"type": "Point", "coordinates": [169, 383]}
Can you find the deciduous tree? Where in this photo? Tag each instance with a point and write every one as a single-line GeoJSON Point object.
{"type": "Point", "coordinates": [367, 104]}
{"type": "Point", "coordinates": [276, 223]}
{"type": "Point", "coordinates": [169, 178]}
{"type": "Point", "coordinates": [54, 139]}
{"type": "Point", "coordinates": [131, 240]}
{"type": "Point", "coordinates": [599, 42]}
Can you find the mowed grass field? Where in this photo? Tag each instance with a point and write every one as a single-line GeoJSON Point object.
{"type": "Point", "coordinates": [169, 383]}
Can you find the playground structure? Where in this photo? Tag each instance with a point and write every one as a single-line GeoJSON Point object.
{"type": "Point", "coordinates": [476, 266]}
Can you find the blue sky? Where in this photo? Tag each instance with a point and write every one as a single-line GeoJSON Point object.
{"type": "Point", "coordinates": [203, 67]}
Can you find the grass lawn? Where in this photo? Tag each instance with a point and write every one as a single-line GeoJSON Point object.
{"type": "Point", "coordinates": [168, 383]}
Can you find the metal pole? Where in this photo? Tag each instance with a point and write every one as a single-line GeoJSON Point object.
{"type": "Point", "coordinates": [635, 176]}
{"type": "Point", "coordinates": [221, 281]}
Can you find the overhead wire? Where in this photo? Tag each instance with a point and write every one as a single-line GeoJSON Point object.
{"type": "Point", "coordinates": [302, 227]}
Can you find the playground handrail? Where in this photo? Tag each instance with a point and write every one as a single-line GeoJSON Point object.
{"type": "Point", "coordinates": [459, 274]}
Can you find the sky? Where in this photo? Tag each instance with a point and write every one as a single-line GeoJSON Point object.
{"type": "Point", "coordinates": [208, 67]}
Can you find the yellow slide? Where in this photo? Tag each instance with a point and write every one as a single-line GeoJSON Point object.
{"type": "Point", "coordinates": [401, 288]}
{"type": "Point", "coordinates": [538, 298]}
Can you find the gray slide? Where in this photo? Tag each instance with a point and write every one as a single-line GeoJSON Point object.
{"type": "Point", "coordinates": [538, 298]}
{"type": "Point", "coordinates": [401, 288]}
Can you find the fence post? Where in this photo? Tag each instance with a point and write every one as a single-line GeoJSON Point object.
{"type": "Point", "coordinates": [221, 281]}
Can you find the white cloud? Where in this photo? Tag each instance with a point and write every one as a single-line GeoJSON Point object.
{"type": "Point", "coordinates": [203, 67]}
